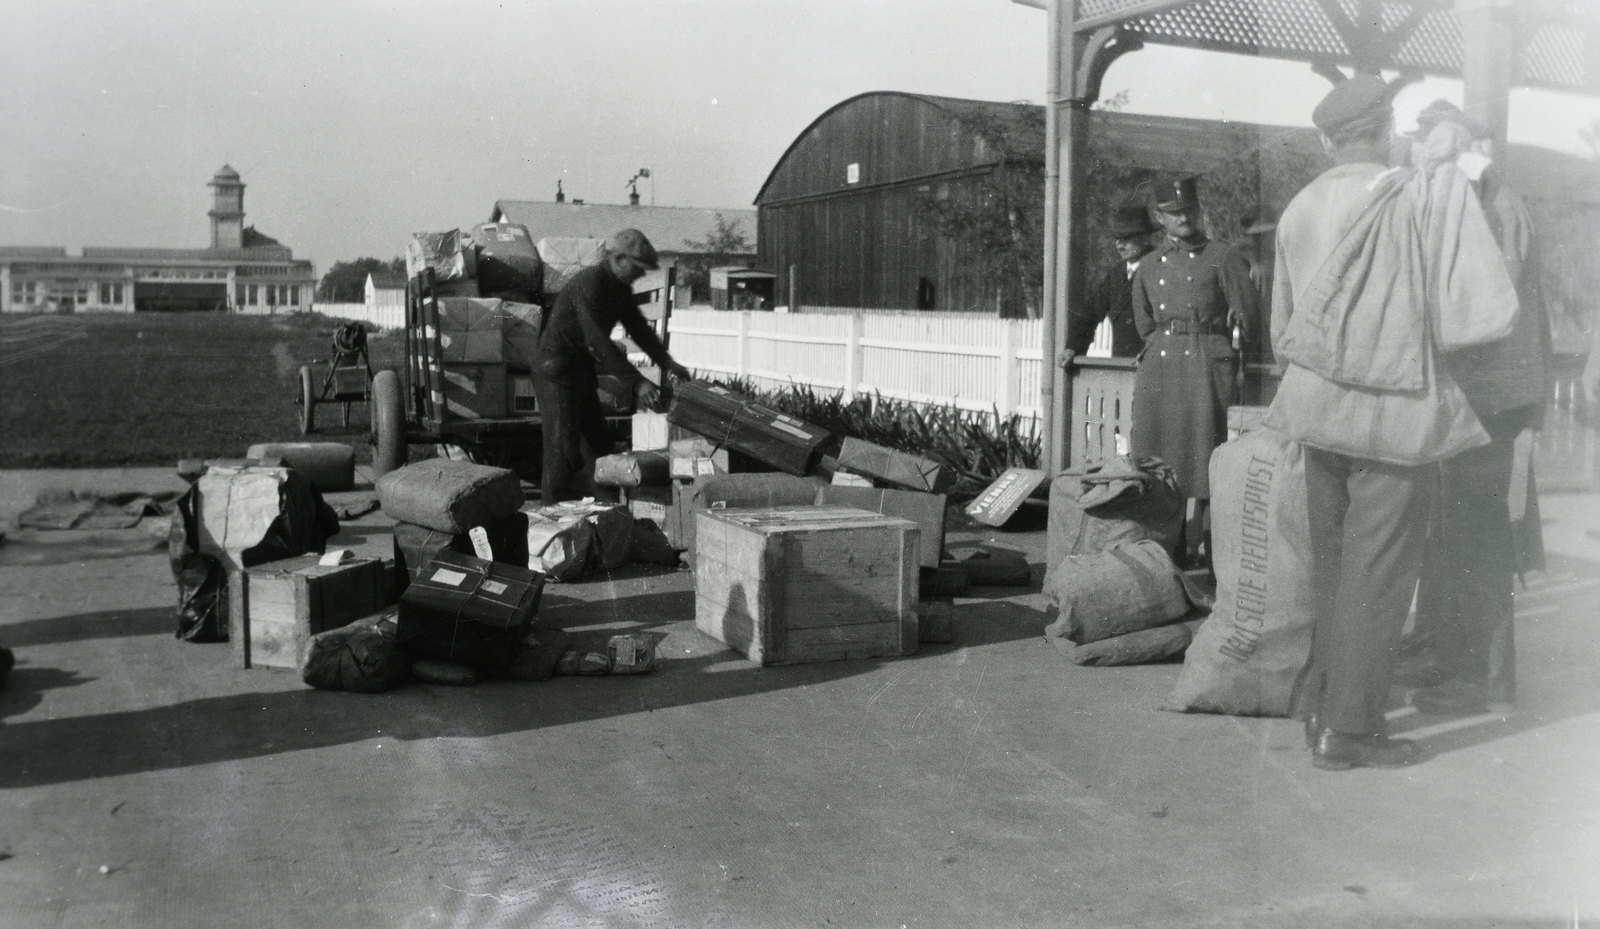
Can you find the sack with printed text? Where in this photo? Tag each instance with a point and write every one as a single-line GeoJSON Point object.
{"type": "Point", "coordinates": [1246, 656]}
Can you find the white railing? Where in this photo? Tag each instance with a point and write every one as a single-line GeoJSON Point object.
{"type": "Point", "coordinates": [972, 361]}
{"type": "Point", "coordinates": [384, 317]}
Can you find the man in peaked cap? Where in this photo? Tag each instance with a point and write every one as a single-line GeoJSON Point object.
{"type": "Point", "coordinates": [1112, 298]}
{"type": "Point", "coordinates": [1189, 295]}
{"type": "Point", "coordinates": [575, 347]}
{"type": "Point", "coordinates": [1360, 258]}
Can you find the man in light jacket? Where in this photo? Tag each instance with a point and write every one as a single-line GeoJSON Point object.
{"type": "Point", "coordinates": [1377, 271]}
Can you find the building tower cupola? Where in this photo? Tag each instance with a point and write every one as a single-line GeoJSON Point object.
{"type": "Point", "coordinates": [227, 209]}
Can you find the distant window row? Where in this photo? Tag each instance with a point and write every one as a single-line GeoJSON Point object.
{"type": "Point", "coordinates": [270, 294]}
{"type": "Point", "coordinates": [30, 292]}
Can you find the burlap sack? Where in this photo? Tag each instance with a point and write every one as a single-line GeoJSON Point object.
{"type": "Point", "coordinates": [450, 496]}
{"type": "Point", "coordinates": [1143, 647]}
{"type": "Point", "coordinates": [1118, 499]}
{"type": "Point", "coordinates": [1245, 657]}
{"type": "Point", "coordinates": [1126, 588]}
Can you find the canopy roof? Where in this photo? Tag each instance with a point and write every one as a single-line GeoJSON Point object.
{"type": "Point", "coordinates": [1558, 38]}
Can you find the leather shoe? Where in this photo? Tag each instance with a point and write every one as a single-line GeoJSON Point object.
{"type": "Point", "coordinates": [1420, 669]}
{"type": "Point", "coordinates": [1314, 728]}
{"type": "Point", "coordinates": [1335, 751]}
{"type": "Point", "coordinates": [1452, 698]}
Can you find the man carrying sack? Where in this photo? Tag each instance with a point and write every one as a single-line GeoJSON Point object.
{"type": "Point", "coordinates": [575, 347]}
{"type": "Point", "coordinates": [1379, 272]}
{"type": "Point", "coordinates": [1462, 654]}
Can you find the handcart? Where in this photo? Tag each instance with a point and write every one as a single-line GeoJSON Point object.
{"type": "Point", "coordinates": [349, 377]}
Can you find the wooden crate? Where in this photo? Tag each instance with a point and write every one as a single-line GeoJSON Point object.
{"type": "Point", "coordinates": [275, 608]}
{"type": "Point", "coordinates": [807, 583]}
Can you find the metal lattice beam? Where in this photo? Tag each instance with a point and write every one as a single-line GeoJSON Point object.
{"type": "Point", "coordinates": [1558, 46]}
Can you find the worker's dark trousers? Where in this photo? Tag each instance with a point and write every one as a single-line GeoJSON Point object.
{"type": "Point", "coordinates": [1464, 605]}
{"type": "Point", "coordinates": [575, 434]}
{"type": "Point", "coordinates": [1368, 524]}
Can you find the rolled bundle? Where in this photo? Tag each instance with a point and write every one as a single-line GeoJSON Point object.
{"type": "Point", "coordinates": [450, 496]}
{"type": "Point", "coordinates": [634, 469]}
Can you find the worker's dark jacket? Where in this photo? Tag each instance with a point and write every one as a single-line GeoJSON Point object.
{"type": "Point", "coordinates": [575, 344]}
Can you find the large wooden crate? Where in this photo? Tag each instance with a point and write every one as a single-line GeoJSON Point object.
{"type": "Point", "coordinates": [807, 583]}
{"type": "Point", "coordinates": [275, 608]}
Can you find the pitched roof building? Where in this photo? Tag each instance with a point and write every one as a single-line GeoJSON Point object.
{"type": "Point", "coordinates": [669, 228]}
{"type": "Point", "coordinates": [243, 270]}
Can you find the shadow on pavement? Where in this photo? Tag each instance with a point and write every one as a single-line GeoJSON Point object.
{"type": "Point", "coordinates": [25, 687]}
{"type": "Point", "coordinates": [247, 725]}
{"type": "Point", "coordinates": [107, 624]}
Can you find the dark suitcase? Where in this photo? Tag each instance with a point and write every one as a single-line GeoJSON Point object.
{"type": "Point", "coordinates": [741, 424]}
{"type": "Point", "coordinates": [468, 610]}
{"type": "Point", "coordinates": [415, 546]}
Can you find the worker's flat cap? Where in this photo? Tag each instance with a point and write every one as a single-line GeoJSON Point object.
{"type": "Point", "coordinates": [1178, 193]}
{"type": "Point", "coordinates": [1362, 102]}
{"type": "Point", "coordinates": [1130, 220]}
{"type": "Point", "coordinates": [633, 244]}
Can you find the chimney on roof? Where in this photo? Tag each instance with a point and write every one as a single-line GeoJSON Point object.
{"type": "Point", "coordinates": [561, 196]}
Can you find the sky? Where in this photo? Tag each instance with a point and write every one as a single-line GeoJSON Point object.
{"type": "Point", "coordinates": [357, 122]}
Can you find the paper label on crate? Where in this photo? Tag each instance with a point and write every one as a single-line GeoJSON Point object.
{"type": "Point", "coordinates": [704, 466]}
{"type": "Point", "coordinates": [480, 543]}
{"type": "Point", "coordinates": [336, 557]}
{"type": "Point", "coordinates": [624, 650]}
{"type": "Point", "coordinates": [447, 576]}
{"type": "Point", "coordinates": [780, 424]}
{"type": "Point", "coordinates": [495, 588]}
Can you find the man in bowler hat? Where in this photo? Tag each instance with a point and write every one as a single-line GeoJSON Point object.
{"type": "Point", "coordinates": [1188, 297]}
{"type": "Point", "coordinates": [1112, 298]}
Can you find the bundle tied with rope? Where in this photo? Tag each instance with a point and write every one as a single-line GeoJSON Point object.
{"type": "Point", "coordinates": [736, 422]}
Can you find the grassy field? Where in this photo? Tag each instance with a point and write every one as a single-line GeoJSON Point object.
{"type": "Point", "coordinates": [109, 390]}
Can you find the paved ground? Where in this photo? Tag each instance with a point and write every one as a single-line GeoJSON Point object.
{"type": "Point", "coordinates": [143, 782]}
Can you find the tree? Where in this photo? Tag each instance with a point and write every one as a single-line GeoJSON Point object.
{"type": "Point", "coordinates": [1001, 218]}
{"type": "Point", "coordinates": [721, 245]}
{"type": "Point", "coordinates": [346, 281]}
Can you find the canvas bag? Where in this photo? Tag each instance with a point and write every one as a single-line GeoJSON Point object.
{"type": "Point", "coordinates": [1246, 656]}
{"type": "Point", "coordinates": [1126, 588]}
{"type": "Point", "coordinates": [1120, 499]}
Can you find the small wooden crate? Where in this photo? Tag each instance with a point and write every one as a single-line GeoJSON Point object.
{"type": "Point", "coordinates": [275, 608]}
{"type": "Point", "coordinates": [807, 583]}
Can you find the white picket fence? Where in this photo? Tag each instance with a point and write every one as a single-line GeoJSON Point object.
{"type": "Point", "coordinates": [969, 360]}
{"type": "Point", "coordinates": [384, 317]}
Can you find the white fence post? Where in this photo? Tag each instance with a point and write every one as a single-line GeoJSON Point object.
{"type": "Point", "coordinates": [744, 343]}
{"type": "Point", "coordinates": [852, 356]}
{"type": "Point", "coordinates": [1008, 365]}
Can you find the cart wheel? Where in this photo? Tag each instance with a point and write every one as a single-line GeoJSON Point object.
{"type": "Point", "coordinates": [388, 424]}
{"type": "Point", "coordinates": [308, 402]}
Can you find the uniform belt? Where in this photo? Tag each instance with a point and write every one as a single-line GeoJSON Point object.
{"type": "Point", "coordinates": [1190, 327]}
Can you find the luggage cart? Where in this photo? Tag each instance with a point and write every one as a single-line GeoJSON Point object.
{"type": "Point", "coordinates": [413, 406]}
{"type": "Point", "coordinates": [349, 378]}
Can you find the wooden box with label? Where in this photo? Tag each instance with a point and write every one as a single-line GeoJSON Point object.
{"type": "Point", "coordinates": [807, 583]}
{"type": "Point", "coordinates": [275, 608]}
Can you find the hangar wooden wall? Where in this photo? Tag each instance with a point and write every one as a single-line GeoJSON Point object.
{"type": "Point", "coordinates": [865, 239]}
